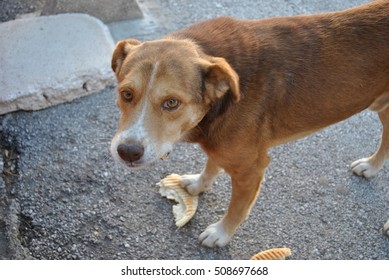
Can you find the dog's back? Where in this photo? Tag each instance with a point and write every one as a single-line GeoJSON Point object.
{"type": "Point", "coordinates": [344, 55]}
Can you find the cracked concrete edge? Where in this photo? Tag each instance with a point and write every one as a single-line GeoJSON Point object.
{"type": "Point", "coordinates": [11, 247]}
{"type": "Point", "coordinates": [16, 250]}
{"type": "Point", "coordinates": [40, 98]}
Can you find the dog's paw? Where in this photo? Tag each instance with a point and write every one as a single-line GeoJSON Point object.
{"type": "Point", "coordinates": [364, 167]}
{"type": "Point", "coordinates": [215, 236]}
{"type": "Point", "coordinates": [193, 184]}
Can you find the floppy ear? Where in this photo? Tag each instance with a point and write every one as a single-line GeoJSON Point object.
{"type": "Point", "coordinates": [122, 49]}
{"type": "Point", "coordinates": [219, 77]}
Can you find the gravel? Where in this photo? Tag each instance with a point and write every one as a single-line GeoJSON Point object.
{"type": "Point", "coordinates": [10, 9]}
{"type": "Point", "coordinates": [74, 202]}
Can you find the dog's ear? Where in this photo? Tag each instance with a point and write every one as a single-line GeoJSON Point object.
{"type": "Point", "coordinates": [122, 49]}
{"type": "Point", "coordinates": [219, 77]}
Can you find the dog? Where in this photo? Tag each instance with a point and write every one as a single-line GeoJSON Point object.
{"type": "Point", "coordinates": [240, 87]}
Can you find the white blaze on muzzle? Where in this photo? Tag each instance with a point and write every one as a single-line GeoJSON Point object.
{"type": "Point", "coordinates": [140, 134]}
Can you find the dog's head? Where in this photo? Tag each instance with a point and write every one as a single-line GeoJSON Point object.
{"type": "Point", "coordinates": [165, 88]}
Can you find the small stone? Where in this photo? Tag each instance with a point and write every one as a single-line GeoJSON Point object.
{"type": "Point", "coordinates": [386, 228]}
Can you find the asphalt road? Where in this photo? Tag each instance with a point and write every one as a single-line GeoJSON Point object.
{"type": "Point", "coordinates": [65, 198]}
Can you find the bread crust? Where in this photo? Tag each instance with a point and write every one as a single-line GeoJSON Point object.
{"type": "Point", "coordinates": [273, 254]}
{"type": "Point", "coordinates": [171, 188]}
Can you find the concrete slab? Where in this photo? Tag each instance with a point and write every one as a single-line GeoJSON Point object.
{"type": "Point", "coordinates": [49, 60]}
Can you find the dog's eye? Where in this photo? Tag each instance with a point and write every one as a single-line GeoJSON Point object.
{"type": "Point", "coordinates": [126, 95]}
{"type": "Point", "coordinates": [171, 104]}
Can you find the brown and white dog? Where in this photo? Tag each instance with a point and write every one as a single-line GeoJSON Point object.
{"type": "Point", "coordinates": [240, 87]}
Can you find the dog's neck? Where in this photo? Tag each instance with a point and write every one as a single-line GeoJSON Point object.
{"type": "Point", "coordinates": [202, 133]}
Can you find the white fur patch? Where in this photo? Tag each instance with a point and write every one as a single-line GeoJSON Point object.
{"type": "Point", "coordinates": [215, 236]}
{"type": "Point", "coordinates": [140, 133]}
{"type": "Point", "coordinates": [152, 78]}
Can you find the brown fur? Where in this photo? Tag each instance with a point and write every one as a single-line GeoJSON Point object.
{"type": "Point", "coordinates": [258, 83]}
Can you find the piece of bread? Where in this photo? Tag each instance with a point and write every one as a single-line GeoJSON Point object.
{"type": "Point", "coordinates": [170, 188]}
{"type": "Point", "coordinates": [273, 254]}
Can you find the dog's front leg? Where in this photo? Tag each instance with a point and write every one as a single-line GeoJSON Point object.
{"type": "Point", "coordinates": [198, 183]}
{"type": "Point", "coordinates": [245, 189]}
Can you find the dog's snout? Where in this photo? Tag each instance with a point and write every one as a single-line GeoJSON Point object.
{"type": "Point", "coordinates": [130, 152]}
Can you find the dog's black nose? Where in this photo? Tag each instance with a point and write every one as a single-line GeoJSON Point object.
{"type": "Point", "coordinates": [130, 152]}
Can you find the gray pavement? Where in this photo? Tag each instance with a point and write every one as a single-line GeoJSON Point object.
{"type": "Point", "coordinates": [63, 197]}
